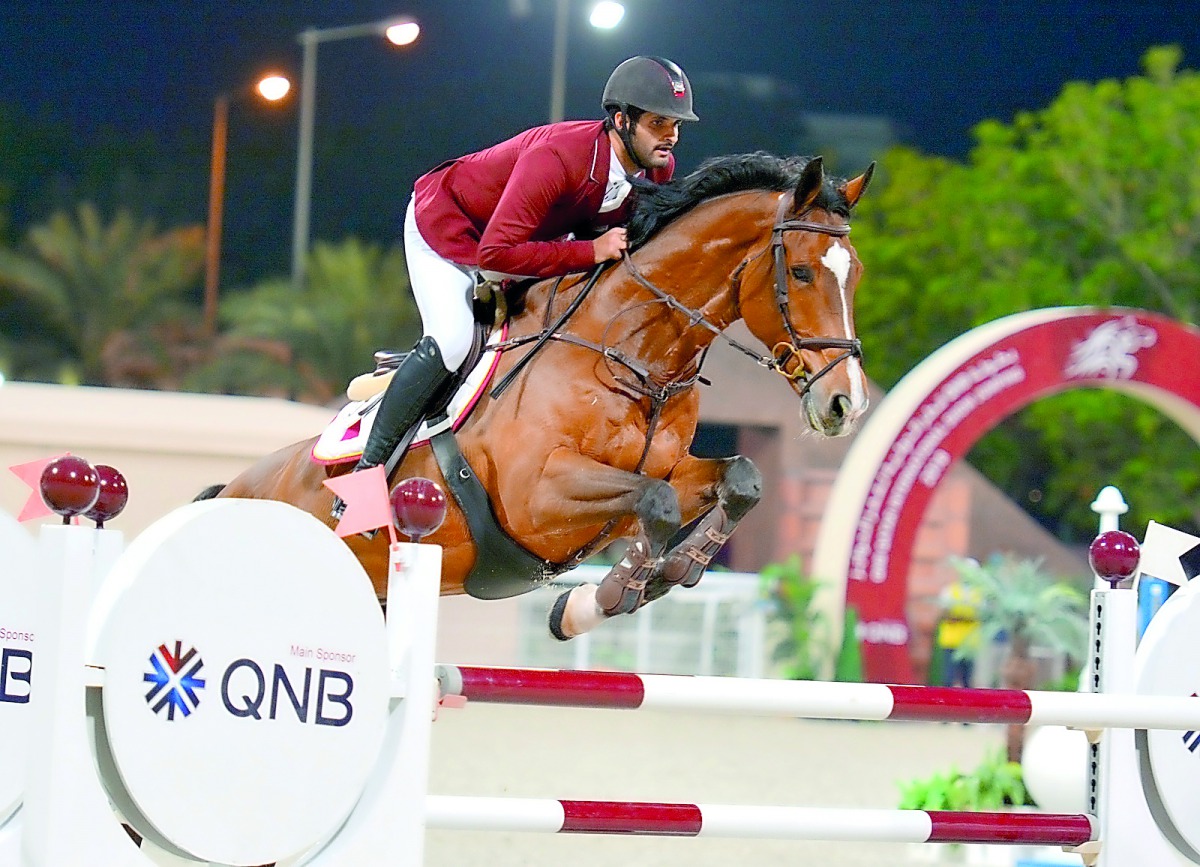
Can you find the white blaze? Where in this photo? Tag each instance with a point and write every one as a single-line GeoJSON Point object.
{"type": "Point", "coordinates": [837, 260]}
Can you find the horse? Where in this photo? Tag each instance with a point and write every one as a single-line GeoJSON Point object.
{"type": "Point", "coordinates": [590, 445]}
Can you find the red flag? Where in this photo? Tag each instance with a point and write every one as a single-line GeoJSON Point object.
{"type": "Point", "coordinates": [31, 474]}
{"type": "Point", "coordinates": [367, 505]}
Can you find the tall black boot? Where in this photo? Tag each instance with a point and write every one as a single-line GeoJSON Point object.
{"type": "Point", "coordinates": [418, 378]}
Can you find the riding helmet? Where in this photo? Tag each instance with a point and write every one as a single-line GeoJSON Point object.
{"type": "Point", "coordinates": [652, 84]}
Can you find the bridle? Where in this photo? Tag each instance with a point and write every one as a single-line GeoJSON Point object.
{"type": "Point", "coordinates": [660, 393]}
{"type": "Point", "coordinates": [782, 352]}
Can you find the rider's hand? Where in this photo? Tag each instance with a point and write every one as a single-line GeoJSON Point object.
{"type": "Point", "coordinates": [609, 245]}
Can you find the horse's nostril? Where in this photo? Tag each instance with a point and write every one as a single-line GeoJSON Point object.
{"type": "Point", "coordinates": [841, 406]}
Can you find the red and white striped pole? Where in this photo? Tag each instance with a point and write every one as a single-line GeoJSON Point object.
{"type": "Point", "coordinates": [545, 815]}
{"type": "Point", "coordinates": [816, 699]}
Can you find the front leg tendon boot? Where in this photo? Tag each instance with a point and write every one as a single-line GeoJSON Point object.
{"type": "Point", "coordinates": [418, 378]}
{"type": "Point", "coordinates": [622, 589]}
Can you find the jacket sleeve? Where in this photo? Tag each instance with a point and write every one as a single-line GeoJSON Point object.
{"type": "Point", "coordinates": [538, 183]}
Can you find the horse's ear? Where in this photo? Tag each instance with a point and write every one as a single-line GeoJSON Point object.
{"type": "Point", "coordinates": [854, 189]}
{"type": "Point", "coordinates": [809, 185]}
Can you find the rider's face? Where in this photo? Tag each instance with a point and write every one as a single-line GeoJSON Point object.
{"type": "Point", "coordinates": [654, 136]}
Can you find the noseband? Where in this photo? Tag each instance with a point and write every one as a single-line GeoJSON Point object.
{"type": "Point", "coordinates": [782, 352]}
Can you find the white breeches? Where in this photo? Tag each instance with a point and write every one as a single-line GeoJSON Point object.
{"type": "Point", "coordinates": [443, 291]}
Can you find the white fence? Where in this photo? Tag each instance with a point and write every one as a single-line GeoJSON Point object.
{"type": "Point", "coordinates": [718, 627]}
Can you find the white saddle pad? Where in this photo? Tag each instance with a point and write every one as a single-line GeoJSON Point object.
{"type": "Point", "coordinates": [346, 435]}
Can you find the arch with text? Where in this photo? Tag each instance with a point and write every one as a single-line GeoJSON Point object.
{"type": "Point", "coordinates": [936, 414]}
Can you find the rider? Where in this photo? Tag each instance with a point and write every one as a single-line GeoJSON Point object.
{"type": "Point", "coordinates": [522, 208]}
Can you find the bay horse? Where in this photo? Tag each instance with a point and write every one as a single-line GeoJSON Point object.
{"type": "Point", "coordinates": [591, 444]}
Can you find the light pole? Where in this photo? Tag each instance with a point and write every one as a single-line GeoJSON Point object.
{"type": "Point", "coordinates": [271, 88]}
{"type": "Point", "coordinates": [399, 31]}
{"type": "Point", "coordinates": [604, 16]}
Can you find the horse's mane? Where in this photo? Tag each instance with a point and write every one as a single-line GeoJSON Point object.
{"type": "Point", "coordinates": [659, 204]}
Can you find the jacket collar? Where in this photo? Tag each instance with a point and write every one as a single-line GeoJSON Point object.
{"type": "Point", "coordinates": [601, 156]}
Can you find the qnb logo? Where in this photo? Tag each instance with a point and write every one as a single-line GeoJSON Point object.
{"type": "Point", "coordinates": [249, 692]}
{"type": "Point", "coordinates": [16, 671]}
{"type": "Point", "coordinates": [174, 681]}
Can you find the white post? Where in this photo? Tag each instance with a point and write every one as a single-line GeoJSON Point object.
{"type": "Point", "coordinates": [708, 634]}
{"type": "Point", "coordinates": [644, 634]}
{"type": "Point", "coordinates": [66, 816]}
{"type": "Point", "coordinates": [1129, 834]}
{"type": "Point", "coordinates": [387, 826]}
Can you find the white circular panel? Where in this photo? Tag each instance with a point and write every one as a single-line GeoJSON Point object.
{"type": "Point", "coordinates": [1054, 766]}
{"type": "Point", "coordinates": [246, 683]}
{"type": "Point", "coordinates": [17, 633]}
{"type": "Point", "coordinates": [1170, 760]}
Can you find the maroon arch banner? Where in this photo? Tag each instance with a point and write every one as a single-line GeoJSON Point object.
{"type": "Point", "coordinates": [936, 414]}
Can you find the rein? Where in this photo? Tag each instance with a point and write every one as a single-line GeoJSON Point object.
{"type": "Point", "coordinates": [782, 352]}
{"type": "Point", "coordinates": [777, 361]}
{"type": "Point", "coordinates": [548, 331]}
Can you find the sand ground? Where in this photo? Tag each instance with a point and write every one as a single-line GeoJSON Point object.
{"type": "Point", "coordinates": [496, 750]}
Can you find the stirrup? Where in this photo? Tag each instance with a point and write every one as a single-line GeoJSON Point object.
{"type": "Point", "coordinates": [388, 359]}
{"type": "Point", "coordinates": [339, 510]}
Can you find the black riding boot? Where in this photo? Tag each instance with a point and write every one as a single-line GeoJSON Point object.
{"type": "Point", "coordinates": [419, 377]}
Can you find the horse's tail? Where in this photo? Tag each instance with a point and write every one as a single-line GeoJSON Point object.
{"type": "Point", "coordinates": [208, 493]}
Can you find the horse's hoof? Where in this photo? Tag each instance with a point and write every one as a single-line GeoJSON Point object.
{"type": "Point", "coordinates": [556, 616]}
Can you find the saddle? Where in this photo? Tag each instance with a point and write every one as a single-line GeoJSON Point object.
{"type": "Point", "coordinates": [503, 568]}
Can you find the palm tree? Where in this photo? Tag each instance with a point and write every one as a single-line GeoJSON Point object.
{"type": "Point", "coordinates": [355, 300]}
{"type": "Point", "coordinates": [92, 298]}
{"type": "Point", "coordinates": [1017, 599]}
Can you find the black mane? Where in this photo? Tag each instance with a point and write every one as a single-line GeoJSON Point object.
{"type": "Point", "coordinates": [659, 204]}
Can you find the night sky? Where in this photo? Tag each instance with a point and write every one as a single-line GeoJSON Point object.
{"type": "Point", "coordinates": [148, 72]}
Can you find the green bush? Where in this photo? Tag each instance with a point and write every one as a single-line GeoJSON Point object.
{"type": "Point", "coordinates": [804, 646]}
{"type": "Point", "coordinates": [994, 785]}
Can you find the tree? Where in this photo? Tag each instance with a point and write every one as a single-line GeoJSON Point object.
{"type": "Point", "coordinates": [1093, 200]}
{"type": "Point", "coordinates": [80, 293]}
{"type": "Point", "coordinates": [356, 300]}
{"type": "Point", "coordinates": [1017, 600]}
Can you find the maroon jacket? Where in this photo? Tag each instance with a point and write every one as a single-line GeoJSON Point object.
{"type": "Point", "coordinates": [507, 208]}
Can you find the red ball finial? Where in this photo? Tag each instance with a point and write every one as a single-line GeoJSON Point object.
{"type": "Point", "coordinates": [69, 486]}
{"type": "Point", "coordinates": [114, 494]}
{"type": "Point", "coordinates": [1114, 556]}
{"type": "Point", "coordinates": [420, 507]}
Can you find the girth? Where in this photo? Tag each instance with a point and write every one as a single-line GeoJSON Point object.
{"type": "Point", "coordinates": [502, 567]}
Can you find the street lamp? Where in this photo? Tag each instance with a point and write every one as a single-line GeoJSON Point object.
{"type": "Point", "coordinates": [271, 88]}
{"type": "Point", "coordinates": [398, 31]}
{"type": "Point", "coordinates": [604, 16]}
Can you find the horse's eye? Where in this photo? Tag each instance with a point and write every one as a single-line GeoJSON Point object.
{"type": "Point", "coordinates": [802, 273]}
